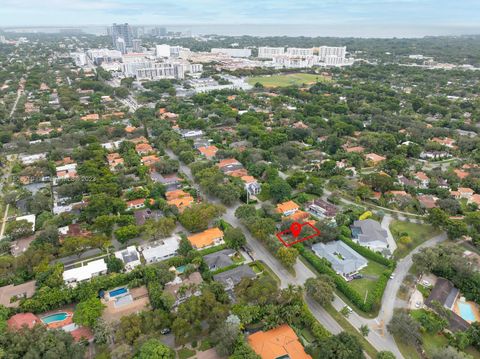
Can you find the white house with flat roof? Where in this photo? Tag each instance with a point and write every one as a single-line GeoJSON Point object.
{"type": "Point", "coordinates": [160, 250]}
{"type": "Point", "coordinates": [130, 257]}
{"type": "Point", "coordinates": [86, 272]}
{"type": "Point", "coordinates": [30, 218]}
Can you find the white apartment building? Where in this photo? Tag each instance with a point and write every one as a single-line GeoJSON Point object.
{"type": "Point", "coordinates": [326, 51]}
{"type": "Point", "coordinates": [265, 52]}
{"type": "Point", "coordinates": [159, 71]}
{"type": "Point", "coordinates": [232, 52]}
{"type": "Point", "coordinates": [99, 56]}
{"type": "Point", "coordinates": [297, 51]}
{"type": "Point", "coordinates": [80, 58]}
{"type": "Point", "coordinates": [162, 50]}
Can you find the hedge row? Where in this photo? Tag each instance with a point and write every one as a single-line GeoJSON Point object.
{"type": "Point", "coordinates": [308, 319]}
{"type": "Point", "coordinates": [374, 297]}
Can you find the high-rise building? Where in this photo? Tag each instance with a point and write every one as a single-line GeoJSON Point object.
{"type": "Point", "coordinates": [123, 31]}
{"type": "Point", "coordinates": [265, 52]}
{"type": "Point", "coordinates": [327, 51]}
{"type": "Point", "coordinates": [121, 46]}
{"type": "Point", "coordinates": [296, 51]}
{"type": "Point", "coordinates": [137, 45]}
{"type": "Point", "coordinates": [232, 52]}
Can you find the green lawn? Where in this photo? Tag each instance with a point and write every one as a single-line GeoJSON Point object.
{"type": "Point", "coordinates": [366, 284]}
{"type": "Point", "coordinates": [285, 80]}
{"type": "Point", "coordinates": [419, 233]}
{"type": "Point", "coordinates": [186, 353]}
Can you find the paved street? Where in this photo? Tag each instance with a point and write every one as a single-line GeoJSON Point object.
{"type": "Point", "coordinates": [378, 336]}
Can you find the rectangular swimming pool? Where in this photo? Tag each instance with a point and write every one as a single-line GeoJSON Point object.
{"type": "Point", "coordinates": [117, 292]}
{"type": "Point", "coordinates": [466, 312]}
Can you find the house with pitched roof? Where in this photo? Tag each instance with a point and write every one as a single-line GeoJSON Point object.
{"type": "Point", "coordinates": [287, 208]}
{"type": "Point", "coordinates": [208, 238]}
{"type": "Point", "coordinates": [369, 233]}
{"type": "Point", "coordinates": [281, 342]}
{"type": "Point", "coordinates": [344, 260]}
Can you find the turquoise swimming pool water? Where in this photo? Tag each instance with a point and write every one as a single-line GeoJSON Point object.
{"type": "Point", "coordinates": [466, 311]}
{"type": "Point", "coordinates": [58, 317]}
{"type": "Point", "coordinates": [117, 292]}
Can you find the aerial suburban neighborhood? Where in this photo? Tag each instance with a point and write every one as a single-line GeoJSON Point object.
{"type": "Point", "coordinates": [169, 194]}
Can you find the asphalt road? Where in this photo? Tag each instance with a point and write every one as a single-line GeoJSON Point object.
{"type": "Point", "coordinates": [378, 336]}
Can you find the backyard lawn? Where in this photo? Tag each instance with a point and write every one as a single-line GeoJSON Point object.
{"type": "Point", "coordinates": [371, 273]}
{"type": "Point", "coordinates": [297, 79]}
{"type": "Point", "coordinates": [418, 234]}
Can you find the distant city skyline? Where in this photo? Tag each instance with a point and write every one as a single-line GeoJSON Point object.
{"type": "Point", "coordinates": [344, 17]}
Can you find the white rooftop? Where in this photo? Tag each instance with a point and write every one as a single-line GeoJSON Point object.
{"type": "Point", "coordinates": [161, 249]}
{"type": "Point", "coordinates": [30, 218]}
{"type": "Point", "coordinates": [85, 272]}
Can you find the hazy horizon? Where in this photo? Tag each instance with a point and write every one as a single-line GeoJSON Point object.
{"type": "Point", "coordinates": [359, 18]}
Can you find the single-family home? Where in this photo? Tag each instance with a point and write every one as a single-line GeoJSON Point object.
{"type": "Point", "coordinates": [322, 209]}
{"type": "Point", "coordinates": [130, 257]}
{"type": "Point", "coordinates": [475, 199]}
{"type": "Point", "coordinates": [462, 193]}
{"type": "Point", "coordinates": [208, 238]}
{"type": "Point", "coordinates": [143, 148]}
{"type": "Point", "coordinates": [160, 250]}
{"type": "Point", "coordinates": [422, 179]}
{"type": "Point", "coordinates": [427, 201]}
{"type": "Point", "coordinates": [344, 260]}
{"type": "Point", "coordinates": [219, 260]}
{"type": "Point", "coordinates": [30, 218]}
{"type": "Point", "coordinates": [280, 342]}
{"type": "Point", "coordinates": [182, 289]}
{"type": "Point", "coordinates": [232, 277]}
{"type": "Point", "coordinates": [21, 320]}
{"type": "Point", "coordinates": [86, 272]}
{"type": "Point", "coordinates": [208, 152]}
{"type": "Point", "coordinates": [287, 208]}
{"type": "Point", "coordinates": [136, 204]}
{"type": "Point", "coordinates": [445, 293]}
{"type": "Point", "coordinates": [374, 159]}
{"type": "Point", "coordinates": [251, 185]}
{"type": "Point", "coordinates": [369, 233]}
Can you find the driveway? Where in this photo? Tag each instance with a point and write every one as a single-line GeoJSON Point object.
{"type": "Point", "coordinates": [387, 219]}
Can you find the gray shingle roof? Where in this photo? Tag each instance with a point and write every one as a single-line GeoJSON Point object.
{"type": "Point", "coordinates": [219, 259]}
{"type": "Point", "coordinates": [371, 231]}
{"type": "Point", "coordinates": [343, 258]}
{"type": "Point", "coordinates": [234, 276]}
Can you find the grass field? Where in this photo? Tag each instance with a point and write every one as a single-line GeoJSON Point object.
{"type": "Point", "coordinates": [367, 284]}
{"type": "Point", "coordinates": [297, 79]}
{"type": "Point", "coordinates": [419, 233]}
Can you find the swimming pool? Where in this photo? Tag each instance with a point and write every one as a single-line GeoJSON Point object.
{"type": "Point", "coordinates": [466, 311]}
{"type": "Point", "coordinates": [117, 292]}
{"type": "Point", "coordinates": [57, 317]}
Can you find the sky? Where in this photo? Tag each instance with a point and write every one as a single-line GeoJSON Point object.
{"type": "Point", "coordinates": [458, 15]}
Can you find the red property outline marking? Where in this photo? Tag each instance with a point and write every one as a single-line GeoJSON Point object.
{"type": "Point", "coordinates": [279, 235]}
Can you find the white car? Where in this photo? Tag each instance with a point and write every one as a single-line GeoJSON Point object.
{"type": "Point", "coordinates": [426, 283]}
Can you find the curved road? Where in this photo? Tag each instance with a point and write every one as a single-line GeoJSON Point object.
{"type": "Point", "coordinates": [378, 336]}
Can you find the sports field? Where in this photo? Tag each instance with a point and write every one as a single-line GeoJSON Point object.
{"type": "Point", "coordinates": [297, 79]}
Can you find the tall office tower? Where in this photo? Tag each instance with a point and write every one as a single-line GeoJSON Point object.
{"type": "Point", "coordinates": [121, 46]}
{"type": "Point", "coordinates": [137, 45]}
{"type": "Point", "coordinates": [123, 31]}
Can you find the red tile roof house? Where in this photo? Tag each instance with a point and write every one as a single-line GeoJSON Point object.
{"type": "Point", "coordinates": [475, 199]}
{"type": "Point", "coordinates": [136, 203]}
{"type": "Point", "coordinates": [462, 192]}
{"type": "Point", "coordinates": [427, 201]}
{"type": "Point", "coordinates": [423, 179]}
{"type": "Point", "coordinates": [20, 320]}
